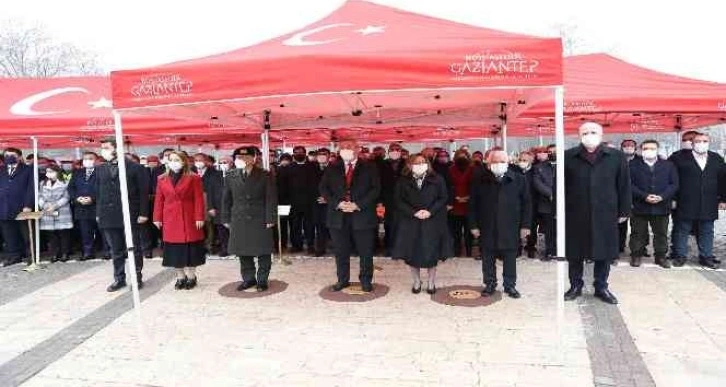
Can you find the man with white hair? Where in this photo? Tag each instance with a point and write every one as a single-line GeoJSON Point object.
{"type": "Point", "coordinates": [598, 197]}
{"type": "Point", "coordinates": [500, 213]}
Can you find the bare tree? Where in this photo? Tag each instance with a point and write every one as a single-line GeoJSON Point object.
{"type": "Point", "coordinates": [31, 52]}
{"type": "Point", "coordinates": [572, 43]}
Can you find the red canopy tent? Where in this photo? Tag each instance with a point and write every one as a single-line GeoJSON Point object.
{"type": "Point", "coordinates": [628, 98]}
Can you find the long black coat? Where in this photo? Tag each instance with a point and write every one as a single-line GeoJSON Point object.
{"type": "Point", "coordinates": [662, 180]}
{"type": "Point", "coordinates": [699, 191]}
{"type": "Point", "coordinates": [300, 185]}
{"type": "Point", "coordinates": [213, 184]}
{"type": "Point", "coordinates": [390, 172]}
{"type": "Point", "coordinates": [248, 205]}
{"type": "Point", "coordinates": [364, 192]}
{"type": "Point", "coordinates": [78, 187]}
{"type": "Point", "coordinates": [596, 195]}
{"type": "Point", "coordinates": [422, 243]}
{"type": "Point", "coordinates": [543, 181]}
{"type": "Point", "coordinates": [499, 209]}
{"type": "Point", "coordinates": [108, 204]}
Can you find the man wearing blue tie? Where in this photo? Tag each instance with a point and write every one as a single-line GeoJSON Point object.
{"type": "Point", "coordinates": [16, 195]}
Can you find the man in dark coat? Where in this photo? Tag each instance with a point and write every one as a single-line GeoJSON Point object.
{"type": "Point", "coordinates": [500, 213]}
{"type": "Point", "coordinates": [82, 191]}
{"type": "Point", "coordinates": [16, 195]}
{"type": "Point", "coordinates": [685, 151]}
{"type": "Point", "coordinates": [351, 188]}
{"type": "Point", "coordinates": [211, 181]}
{"type": "Point", "coordinates": [299, 185]}
{"type": "Point", "coordinates": [320, 210]}
{"type": "Point", "coordinates": [598, 197]}
{"type": "Point", "coordinates": [628, 147]}
{"type": "Point", "coordinates": [150, 233]}
{"type": "Point", "coordinates": [524, 166]}
{"type": "Point", "coordinates": [701, 192]}
{"type": "Point", "coordinates": [109, 213]}
{"type": "Point", "coordinates": [654, 184]}
{"type": "Point", "coordinates": [543, 181]}
{"type": "Point", "coordinates": [249, 210]}
{"type": "Point", "coordinates": [390, 171]}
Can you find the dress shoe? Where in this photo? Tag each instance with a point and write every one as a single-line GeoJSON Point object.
{"type": "Point", "coordinates": [662, 262]}
{"type": "Point", "coordinates": [262, 286]}
{"type": "Point", "coordinates": [116, 286]}
{"type": "Point", "coordinates": [312, 251]}
{"type": "Point", "coordinates": [246, 285]}
{"type": "Point", "coordinates": [546, 258]}
{"type": "Point", "coordinates": [431, 290]}
{"type": "Point", "coordinates": [339, 286]}
{"type": "Point", "coordinates": [716, 260]}
{"type": "Point", "coordinates": [106, 257]}
{"type": "Point", "coordinates": [512, 292]}
{"type": "Point", "coordinates": [573, 293]}
{"type": "Point", "coordinates": [679, 261]}
{"type": "Point", "coordinates": [87, 258]}
{"type": "Point", "coordinates": [148, 255]}
{"type": "Point", "coordinates": [320, 253]}
{"type": "Point", "coordinates": [181, 283]}
{"type": "Point", "coordinates": [708, 262]}
{"type": "Point", "coordinates": [606, 296]}
{"type": "Point", "coordinates": [635, 261]}
{"type": "Point", "coordinates": [191, 283]}
{"type": "Point", "coordinates": [532, 254]}
{"type": "Point", "coordinates": [488, 290]}
{"type": "Point", "coordinates": [366, 287]}
{"type": "Point", "coordinates": [416, 289]}
{"type": "Point", "coordinates": [477, 258]}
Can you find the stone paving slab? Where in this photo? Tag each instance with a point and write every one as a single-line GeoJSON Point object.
{"type": "Point", "coordinates": [17, 283]}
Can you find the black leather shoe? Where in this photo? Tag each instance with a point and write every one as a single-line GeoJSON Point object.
{"type": "Point", "coordinates": [116, 286]}
{"type": "Point", "coordinates": [416, 290]}
{"type": "Point", "coordinates": [477, 258]}
{"type": "Point", "coordinates": [367, 287]}
{"type": "Point", "coordinates": [635, 261]}
{"type": "Point", "coordinates": [531, 254]}
{"type": "Point", "coordinates": [246, 285]}
{"type": "Point", "coordinates": [512, 292]}
{"type": "Point", "coordinates": [148, 256]}
{"type": "Point", "coordinates": [716, 260]}
{"type": "Point", "coordinates": [339, 286]}
{"type": "Point", "coordinates": [606, 296]}
{"type": "Point", "coordinates": [191, 283]}
{"type": "Point", "coordinates": [87, 258]}
{"type": "Point", "coordinates": [488, 290]}
{"type": "Point", "coordinates": [708, 262]}
{"type": "Point", "coordinates": [431, 290]}
{"type": "Point", "coordinates": [662, 262]}
{"type": "Point", "coordinates": [181, 283]}
{"type": "Point", "coordinates": [262, 286]}
{"type": "Point", "coordinates": [678, 262]}
{"type": "Point", "coordinates": [573, 293]}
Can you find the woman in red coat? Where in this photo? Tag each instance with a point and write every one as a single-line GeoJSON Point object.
{"type": "Point", "coordinates": [179, 213]}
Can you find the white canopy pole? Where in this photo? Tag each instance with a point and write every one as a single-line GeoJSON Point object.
{"type": "Point", "coordinates": [123, 185]}
{"type": "Point", "coordinates": [560, 205]}
{"type": "Point", "coordinates": [503, 117]}
{"type": "Point", "coordinates": [266, 142]}
{"type": "Point", "coordinates": [36, 193]}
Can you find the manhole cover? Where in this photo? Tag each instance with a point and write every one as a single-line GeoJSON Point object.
{"type": "Point", "coordinates": [354, 293]}
{"type": "Point", "coordinates": [464, 294]}
{"type": "Point", "coordinates": [230, 290]}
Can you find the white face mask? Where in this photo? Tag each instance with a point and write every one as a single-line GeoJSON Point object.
{"type": "Point", "coordinates": [591, 140]}
{"type": "Point", "coordinates": [240, 164]}
{"type": "Point", "coordinates": [688, 145]}
{"type": "Point", "coordinates": [394, 155]}
{"type": "Point", "coordinates": [347, 155]}
{"type": "Point", "coordinates": [650, 154]}
{"type": "Point", "coordinates": [51, 175]}
{"type": "Point", "coordinates": [199, 165]}
{"type": "Point", "coordinates": [322, 159]}
{"type": "Point", "coordinates": [88, 163]}
{"type": "Point", "coordinates": [499, 169]}
{"type": "Point", "coordinates": [419, 169]}
{"type": "Point", "coordinates": [629, 151]}
{"type": "Point", "coordinates": [164, 160]}
{"type": "Point", "coordinates": [107, 154]}
{"type": "Point", "coordinates": [143, 162]}
{"type": "Point", "coordinates": [700, 147]}
{"type": "Point", "coordinates": [175, 166]}
{"type": "Point", "coordinates": [524, 165]}
{"type": "Point", "coordinates": [224, 167]}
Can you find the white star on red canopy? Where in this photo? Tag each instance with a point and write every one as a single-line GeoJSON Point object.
{"type": "Point", "coordinates": [101, 103]}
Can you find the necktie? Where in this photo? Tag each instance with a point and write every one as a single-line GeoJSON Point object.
{"type": "Point", "coordinates": [89, 172]}
{"type": "Point", "coordinates": [349, 175]}
{"type": "Point", "coordinates": [11, 171]}
{"type": "Point", "coordinates": [419, 182]}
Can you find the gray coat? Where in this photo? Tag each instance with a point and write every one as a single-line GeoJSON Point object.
{"type": "Point", "coordinates": [56, 195]}
{"type": "Point", "coordinates": [248, 205]}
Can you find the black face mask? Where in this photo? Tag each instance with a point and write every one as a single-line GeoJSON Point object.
{"type": "Point", "coordinates": [300, 158]}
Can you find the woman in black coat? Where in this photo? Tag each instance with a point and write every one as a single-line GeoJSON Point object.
{"type": "Point", "coordinates": [423, 240]}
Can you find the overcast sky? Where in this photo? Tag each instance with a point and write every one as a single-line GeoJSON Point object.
{"type": "Point", "coordinates": [677, 36]}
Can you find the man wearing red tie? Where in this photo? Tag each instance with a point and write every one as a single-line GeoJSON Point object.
{"type": "Point", "coordinates": [351, 188]}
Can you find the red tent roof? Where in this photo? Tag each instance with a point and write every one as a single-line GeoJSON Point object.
{"type": "Point", "coordinates": [388, 64]}
{"type": "Point", "coordinates": [633, 98]}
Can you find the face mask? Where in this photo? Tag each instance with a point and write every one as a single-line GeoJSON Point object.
{"type": "Point", "coordinates": [394, 155]}
{"type": "Point", "coordinates": [199, 165]}
{"type": "Point", "coordinates": [700, 147]}
{"type": "Point", "coordinates": [224, 167]}
{"type": "Point", "coordinates": [688, 145]}
{"type": "Point", "coordinates": [299, 158]}
{"type": "Point", "coordinates": [311, 159]}
{"type": "Point", "coordinates": [107, 154]}
{"type": "Point", "coordinates": [11, 159]}
{"type": "Point", "coordinates": [542, 157]}
{"type": "Point", "coordinates": [629, 151]}
{"type": "Point", "coordinates": [650, 154]}
{"type": "Point", "coordinates": [175, 166]}
{"type": "Point", "coordinates": [67, 167]}
{"type": "Point", "coordinates": [591, 140]}
{"type": "Point", "coordinates": [347, 155]}
{"type": "Point", "coordinates": [240, 164]}
{"type": "Point", "coordinates": [419, 169]}
{"type": "Point", "coordinates": [164, 160]}
{"type": "Point", "coordinates": [524, 165]}
{"type": "Point", "coordinates": [144, 162]}
{"type": "Point", "coordinates": [88, 163]}
{"type": "Point", "coordinates": [322, 159]}
{"type": "Point", "coordinates": [51, 175]}
{"type": "Point", "coordinates": [499, 169]}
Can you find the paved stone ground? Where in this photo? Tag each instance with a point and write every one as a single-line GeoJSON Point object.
{"type": "Point", "coordinates": [65, 330]}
